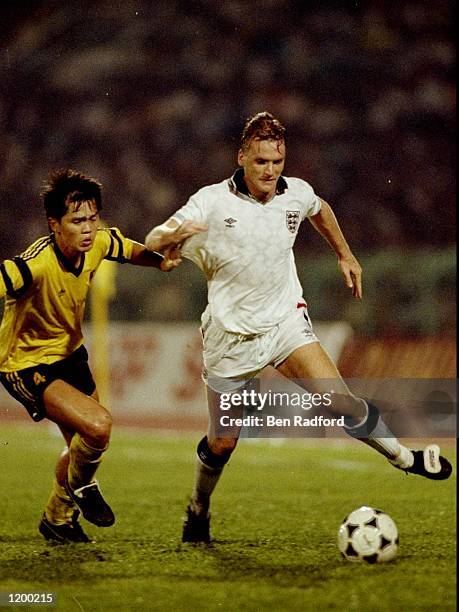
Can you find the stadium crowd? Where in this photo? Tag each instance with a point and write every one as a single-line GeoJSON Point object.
{"type": "Point", "coordinates": [149, 97]}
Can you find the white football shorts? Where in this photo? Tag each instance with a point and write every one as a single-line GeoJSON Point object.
{"type": "Point", "coordinates": [231, 359]}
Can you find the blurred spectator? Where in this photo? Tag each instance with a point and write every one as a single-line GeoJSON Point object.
{"type": "Point", "coordinates": [150, 98]}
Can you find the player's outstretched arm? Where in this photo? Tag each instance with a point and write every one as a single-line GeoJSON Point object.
{"type": "Point", "coordinates": [172, 234]}
{"type": "Point", "coordinates": [327, 225]}
{"type": "Point", "coordinates": [166, 261]}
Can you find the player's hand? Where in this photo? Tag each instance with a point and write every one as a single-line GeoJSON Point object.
{"type": "Point", "coordinates": [176, 236]}
{"type": "Point", "coordinates": [352, 272]}
{"type": "Point", "coordinates": [171, 259]}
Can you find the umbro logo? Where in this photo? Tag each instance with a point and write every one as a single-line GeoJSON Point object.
{"type": "Point", "coordinates": [230, 222]}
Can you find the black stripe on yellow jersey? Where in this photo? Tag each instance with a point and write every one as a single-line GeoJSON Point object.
{"type": "Point", "coordinates": [26, 274]}
{"type": "Point", "coordinates": [45, 299]}
{"type": "Point", "coordinates": [116, 247]}
{"type": "Point", "coordinates": [36, 247]}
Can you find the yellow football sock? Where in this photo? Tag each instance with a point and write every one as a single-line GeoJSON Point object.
{"type": "Point", "coordinates": [60, 507]}
{"type": "Point", "coordinates": [83, 463]}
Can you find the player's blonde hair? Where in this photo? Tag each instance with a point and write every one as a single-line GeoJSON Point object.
{"type": "Point", "coordinates": [262, 126]}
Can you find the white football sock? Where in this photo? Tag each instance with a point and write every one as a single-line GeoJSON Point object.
{"type": "Point", "coordinates": [205, 482]}
{"type": "Point", "coordinates": [383, 440]}
{"type": "Point", "coordinates": [404, 459]}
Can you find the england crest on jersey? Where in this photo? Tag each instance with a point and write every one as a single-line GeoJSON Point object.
{"type": "Point", "coordinates": [292, 218]}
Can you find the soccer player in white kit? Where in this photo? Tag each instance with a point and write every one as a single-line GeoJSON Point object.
{"type": "Point", "coordinates": [256, 314]}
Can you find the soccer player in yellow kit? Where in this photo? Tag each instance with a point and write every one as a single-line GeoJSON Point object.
{"type": "Point", "coordinates": [43, 362]}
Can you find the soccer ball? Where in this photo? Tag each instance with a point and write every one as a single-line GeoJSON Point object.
{"type": "Point", "coordinates": [368, 535]}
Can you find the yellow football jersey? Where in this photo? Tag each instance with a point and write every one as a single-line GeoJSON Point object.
{"type": "Point", "coordinates": [45, 299]}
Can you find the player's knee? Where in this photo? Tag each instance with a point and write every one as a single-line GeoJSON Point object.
{"type": "Point", "coordinates": [216, 452]}
{"type": "Point", "coordinates": [99, 429]}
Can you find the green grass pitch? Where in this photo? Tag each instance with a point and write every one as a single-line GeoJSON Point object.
{"type": "Point", "coordinates": [274, 519]}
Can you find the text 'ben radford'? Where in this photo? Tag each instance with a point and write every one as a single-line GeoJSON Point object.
{"type": "Point", "coordinates": [275, 421]}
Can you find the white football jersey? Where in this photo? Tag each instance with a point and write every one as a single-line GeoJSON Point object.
{"type": "Point", "coordinates": [246, 254]}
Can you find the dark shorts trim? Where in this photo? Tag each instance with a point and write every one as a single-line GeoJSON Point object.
{"type": "Point", "coordinates": [27, 386]}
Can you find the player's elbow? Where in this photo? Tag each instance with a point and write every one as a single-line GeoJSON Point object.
{"type": "Point", "coordinates": [156, 239]}
{"type": "Point", "coordinates": [151, 240]}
